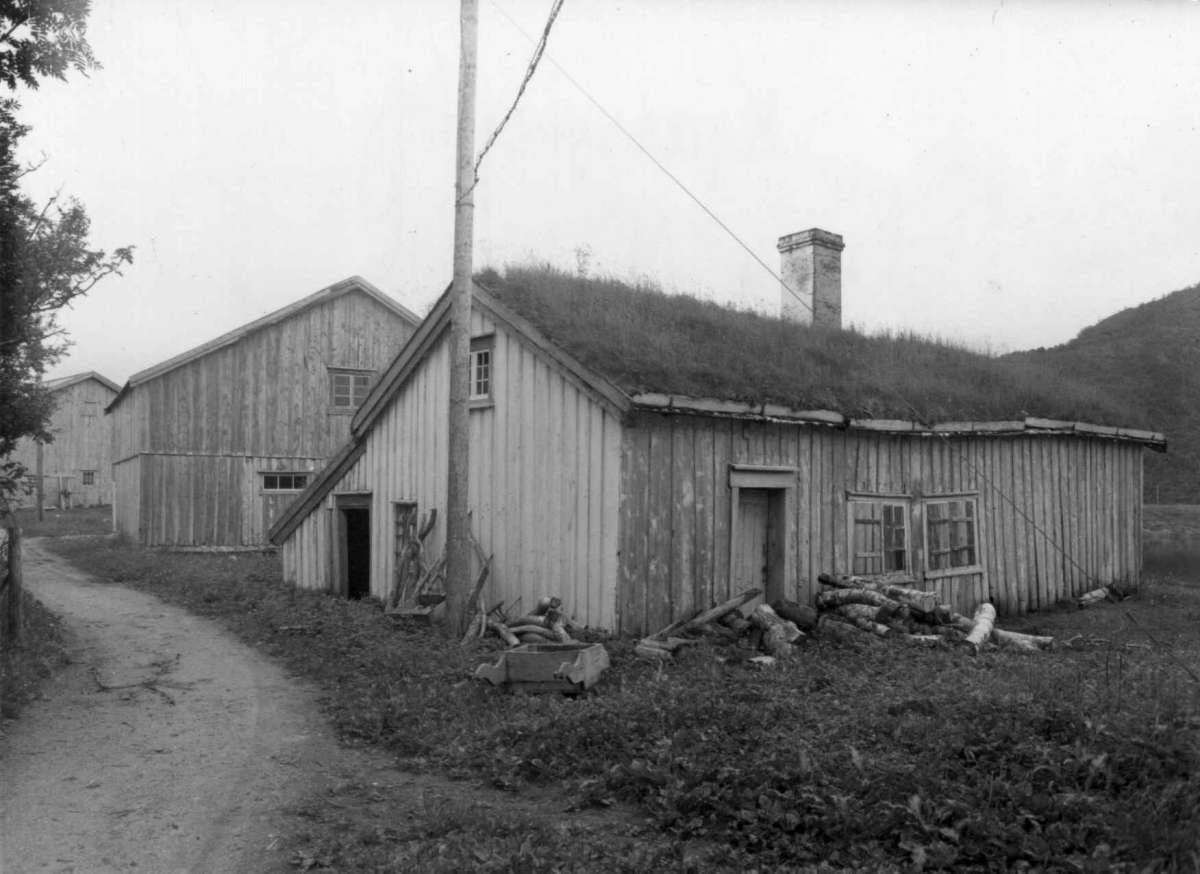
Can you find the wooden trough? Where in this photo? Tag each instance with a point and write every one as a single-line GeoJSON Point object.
{"type": "Point", "coordinates": [570, 668]}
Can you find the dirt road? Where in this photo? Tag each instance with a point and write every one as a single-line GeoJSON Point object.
{"type": "Point", "coordinates": [166, 746]}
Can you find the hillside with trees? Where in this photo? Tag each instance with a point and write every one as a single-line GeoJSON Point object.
{"type": "Point", "coordinates": [1148, 359]}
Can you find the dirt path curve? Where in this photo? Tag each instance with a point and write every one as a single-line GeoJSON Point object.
{"type": "Point", "coordinates": [166, 745]}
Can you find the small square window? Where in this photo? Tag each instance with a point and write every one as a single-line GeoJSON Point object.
{"type": "Point", "coordinates": [87, 477]}
{"type": "Point", "coordinates": [91, 409]}
{"type": "Point", "coordinates": [481, 368]}
{"type": "Point", "coordinates": [284, 482]}
{"type": "Point", "coordinates": [348, 388]}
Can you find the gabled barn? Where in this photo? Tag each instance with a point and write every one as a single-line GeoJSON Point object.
{"type": "Point", "coordinates": [211, 445]}
{"type": "Point", "coordinates": [76, 467]}
{"type": "Point", "coordinates": [643, 456]}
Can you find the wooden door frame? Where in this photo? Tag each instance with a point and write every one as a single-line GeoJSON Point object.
{"type": "Point", "coordinates": [780, 482]}
{"type": "Point", "coordinates": [338, 559]}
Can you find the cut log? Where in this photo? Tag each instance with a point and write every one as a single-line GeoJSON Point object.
{"type": "Point", "coordinates": [560, 631]}
{"type": "Point", "coordinates": [546, 604]}
{"type": "Point", "coordinates": [923, 639]}
{"type": "Point", "coordinates": [522, 631]}
{"type": "Point", "coordinates": [710, 615]}
{"type": "Point", "coordinates": [898, 588]}
{"type": "Point", "coordinates": [653, 653]}
{"type": "Point", "coordinates": [804, 616]}
{"type": "Point", "coordinates": [863, 616]}
{"type": "Point", "coordinates": [985, 621]}
{"type": "Point", "coordinates": [831, 626]}
{"type": "Point", "coordinates": [503, 633]}
{"type": "Point", "coordinates": [778, 634]}
{"type": "Point", "coordinates": [831, 599]}
{"type": "Point", "coordinates": [1017, 640]}
{"type": "Point", "coordinates": [1093, 597]}
{"type": "Point", "coordinates": [735, 622]}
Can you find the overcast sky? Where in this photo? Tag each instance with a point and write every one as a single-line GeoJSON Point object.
{"type": "Point", "coordinates": [1004, 173]}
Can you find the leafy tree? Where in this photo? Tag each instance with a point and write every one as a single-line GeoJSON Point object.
{"type": "Point", "coordinates": [43, 38]}
{"type": "Point", "coordinates": [46, 261]}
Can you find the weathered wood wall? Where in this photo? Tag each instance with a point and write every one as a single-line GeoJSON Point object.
{"type": "Point", "coordinates": [1057, 515]}
{"type": "Point", "coordinates": [207, 428]}
{"type": "Point", "coordinates": [82, 441]}
{"type": "Point", "coordinates": [544, 482]}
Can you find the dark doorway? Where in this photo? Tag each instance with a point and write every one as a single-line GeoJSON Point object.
{"type": "Point", "coordinates": [354, 545]}
{"type": "Point", "coordinates": [358, 553]}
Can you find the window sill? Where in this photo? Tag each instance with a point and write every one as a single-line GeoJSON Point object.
{"type": "Point", "coordinates": [481, 404]}
{"type": "Point", "coordinates": [343, 411]}
{"type": "Point", "coordinates": [954, 572]}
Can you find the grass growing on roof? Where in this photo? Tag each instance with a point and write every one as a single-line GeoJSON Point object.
{"type": "Point", "coordinates": [645, 340]}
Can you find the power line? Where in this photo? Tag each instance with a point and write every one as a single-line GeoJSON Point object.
{"type": "Point", "coordinates": [539, 49]}
{"type": "Point", "coordinates": [657, 163]}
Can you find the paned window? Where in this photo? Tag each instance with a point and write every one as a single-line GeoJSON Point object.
{"type": "Point", "coordinates": [950, 533]}
{"type": "Point", "coordinates": [284, 482]}
{"type": "Point", "coordinates": [91, 409]}
{"type": "Point", "coordinates": [348, 388]}
{"type": "Point", "coordinates": [879, 536]}
{"type": "Point", "coordinates": [87, 477]}
{"type": "Point", "coordinates": [481, 368]}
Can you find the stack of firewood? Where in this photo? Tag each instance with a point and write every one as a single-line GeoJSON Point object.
{"type": "Point", "coordinates": [545, 623]}
{"type": "Point", "coordinates": [858, 604]}
{"type": "Point", "coordinates": [849, 608]}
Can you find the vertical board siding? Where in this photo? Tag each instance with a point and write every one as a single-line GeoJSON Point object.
{"type": "Point", "coordinates": [82, 441]}
{"type": "Point", "coordinates": [260, 403]}
{"type": "Point", "coordinates": [1055, 515]}
{"type": "Point", "coordinates": [543, 487]}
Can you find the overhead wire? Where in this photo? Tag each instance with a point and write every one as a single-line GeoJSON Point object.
{"type": "Point", "coordinates": [659, 164]}
{"type": "Point", "coordinates": [530, 69]}
{"type": "Point", "coordinates": [538, 54]}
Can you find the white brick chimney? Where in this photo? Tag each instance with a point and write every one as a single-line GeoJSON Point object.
{"type": "Point", "coordinates": [811, 270]}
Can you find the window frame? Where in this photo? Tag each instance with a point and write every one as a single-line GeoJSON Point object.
{"type": "Point", "coordinates": [482, 346]}
{"type": "Point", "coordinates": [264, 475]}
{"type": "Point", "coordinates": [87, 477]}
{"type": "Point", "coordinates": [967, 498]}
{"type": "Point", "coordinates": [882, 501]}
{"type": "Point", "coordinates": [350, 373]}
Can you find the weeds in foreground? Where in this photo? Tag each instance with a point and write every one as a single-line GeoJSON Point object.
{"type": "Point", "coordinates": [1084, 759]}
{"type": "Point", "coordinates": [25, 667]}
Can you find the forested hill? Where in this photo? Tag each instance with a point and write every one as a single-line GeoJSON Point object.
{"type": "Point", "coordinates": [1148, 357]}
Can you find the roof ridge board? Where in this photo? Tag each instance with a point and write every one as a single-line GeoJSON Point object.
{"type": "Point", "coordinates": [61, 382]}
{"type": "Point", "coordinates": [308, 500]}
{"type": "Point", "coordinates": [344, 286]}
{"type": "Point", "coordinates": [590, 378]}
{"type": "Point", "coordinates": [401, 366]}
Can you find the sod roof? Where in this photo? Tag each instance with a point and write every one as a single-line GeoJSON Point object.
{"type": "Point", "coordinates": [644, 340]}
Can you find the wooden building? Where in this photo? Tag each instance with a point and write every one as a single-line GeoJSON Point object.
{"type": "Point", "coordinates": [637, 506]}
{"type": "Point", "coordinates": [209, 446]}
{"type": "Point", "coordinates": [76, 467]}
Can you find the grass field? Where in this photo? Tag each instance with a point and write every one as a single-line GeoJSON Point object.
{"type": "Point", "coordinates": [873, 757]}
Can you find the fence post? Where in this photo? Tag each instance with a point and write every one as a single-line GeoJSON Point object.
{"type": "Point", "coordinates": [11, 635]}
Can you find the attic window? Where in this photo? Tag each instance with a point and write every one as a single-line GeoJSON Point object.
{"type": "Point", "coordinates": [90, 409]}
{"type": "Point", "coordinates": [348, 388]}
{"type": "Point", "coordinates": [284, 482]}
{"type": "Point", "coordinates": [481, 369]}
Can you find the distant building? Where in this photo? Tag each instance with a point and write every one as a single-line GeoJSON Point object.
{"type": "Point", "coordinates": [640, 487]}
{"type": "Point", "coordinates": [211, 445]}
{"type": "Point", "coordinates": [76, 467]}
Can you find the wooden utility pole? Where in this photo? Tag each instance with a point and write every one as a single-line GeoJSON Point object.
{"type": "Point", "coordinates": [40, 494]}
{"type": "Point", "coordinates": [10, 588]}
{"type": "Point", "coordinates": [458, 537]}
